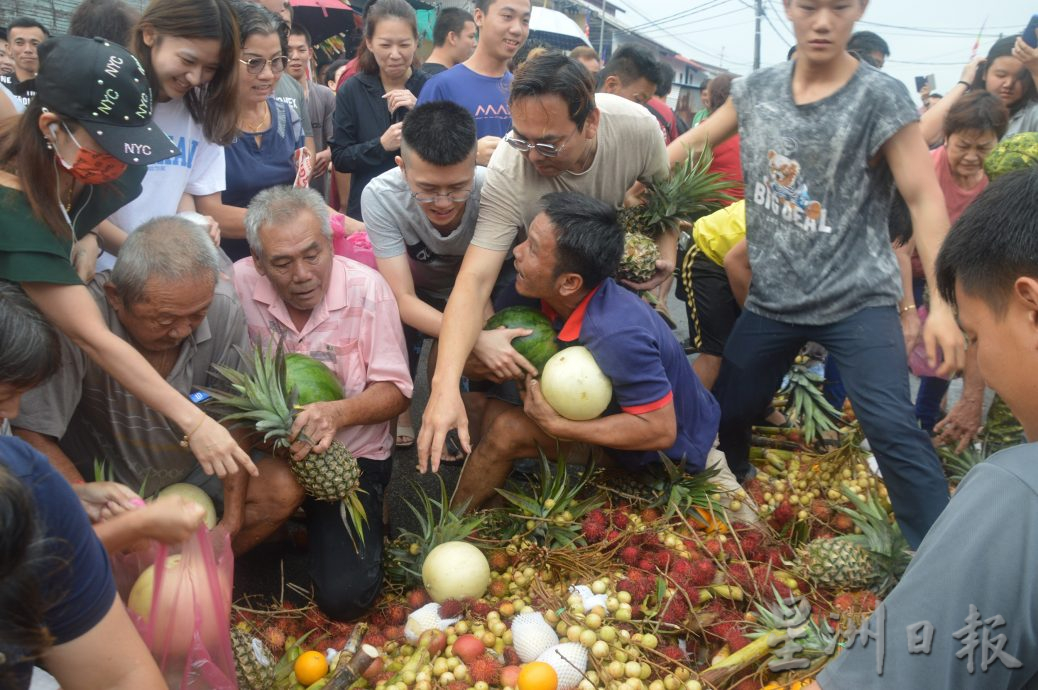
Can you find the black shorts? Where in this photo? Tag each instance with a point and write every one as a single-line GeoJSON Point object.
{"type": "Point", "coordinates": [712, 309]}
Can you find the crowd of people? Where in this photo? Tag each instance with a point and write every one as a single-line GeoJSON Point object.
{"type": "Point", "coordinates": [180, 184]}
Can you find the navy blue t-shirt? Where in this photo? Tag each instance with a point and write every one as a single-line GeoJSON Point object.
{"type": "Point", "coordinates": [77, 582]}
{"type": "Point", "coordinates": [636, 349]}
{"type": "Point", "coordinates": [485, 97]}
{"type": "Point", "coordinates": [252, 168]}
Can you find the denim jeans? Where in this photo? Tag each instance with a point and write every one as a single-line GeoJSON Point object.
{"type": "Point", "coordinates": [869, 349]}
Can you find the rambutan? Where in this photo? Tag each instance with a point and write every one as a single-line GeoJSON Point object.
{"type": "Point", "coordinates": [486, 669]}
{"type": "Point", "coordinates": [868, 601]}
{"type": "Point", "coordinates": [638, 589]}
{"type": "Point", "coordinates": [480, 608]}
{"type": "Point", "coordinates": [673, 652]}
{"type": "Point", "coordinates": [417, 598]}
{"type": "Point", "coordinates": [651, 539]}
{"type": "Point", "coordinates": [394, 633]}
{"type": "Point", "coordinates": [702, 572]}
{"type": "Point", "coordinates": [650, 515]}
{"type": "Point", "coordinates": [732, 550]}
{"type": "Point", "coordinates": [275, 638]}
{"type": "Point", "coordinates": [646, 565]}
{"type": "Point", "coordinates": [842, 523]}
{"type": "Point", "coordinates": [756, 491]}
{"type": "Point", "coordinates": [613, 536]}
{"type": "Point", "coordinates": [594, 531]}
{"type": "Point", "coordinates": [499, 560]}
{"type": "Point", "coordinates": [451, 608]}
{"type": "Point", "coordinates": [676, 609]}
{"type": "Point", "coordinates": [782, 514]}
{"type": "Point", "coordinates": [396, 614]}
{"type": "Point", "coordinates": [619, 519]}
{"type": "Point", "coordinates": [375, 639]}
{"type": "Point", "coordinates": [629, 555]}
{"type": "Point", "coordinates": [498, 589]}
{"type": "Point", "coordinates": [598, 515]}
{"type": "Point", "coordinates": [680, 569]}
{"type": "Point", "coordinates": [379, 619]}
{"type": "Point", "coordinates": [511, 656]}
{"type": "Point", "coordinates": [731, 633]}
{"type": "Point", "coordinates": [821, 510]}
{"type": "Point", "coordinates": [662, 559]}
{"type": "Point", "coordinates": [844, 603]}
{"type": "Point", "coordinates": [752, 542]}
{"type": "Point", "coordinates": [741, 574]}
{"type": "Point", "coordinates": [713, 547]}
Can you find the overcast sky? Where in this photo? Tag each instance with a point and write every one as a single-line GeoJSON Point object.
{"type": "Point", "coordinates": [925, 36]}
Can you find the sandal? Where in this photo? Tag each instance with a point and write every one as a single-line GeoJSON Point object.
{"type": "Point", "coordinates": [405, 437]}
{"type": "Point", "coordinates": [454, 456]}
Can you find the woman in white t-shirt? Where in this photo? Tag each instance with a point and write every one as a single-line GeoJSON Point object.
{"type": "Point", "coordinates": [189, 50]}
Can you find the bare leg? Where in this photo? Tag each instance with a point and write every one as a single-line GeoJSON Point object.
{"type": "Point", "coordinates": [271, 499]}
{"type": "Point", "coordinates": [508, 434]}
{"type": "Point", "coordinates": [707, 367]}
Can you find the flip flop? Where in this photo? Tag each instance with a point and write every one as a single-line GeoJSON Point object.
{"type": "Point", "coordinates": [405, 436]}
{"type": "Point", "coordinates": [455, 455]}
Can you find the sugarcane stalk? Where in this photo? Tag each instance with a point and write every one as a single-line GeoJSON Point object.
{"type": "Point", "coordinates": [347, 674]}
{"type": "Point", "coordinates": [737, 661]}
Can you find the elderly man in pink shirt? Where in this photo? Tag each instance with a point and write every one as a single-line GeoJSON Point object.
{"type": "Point", "coordinates": [344, 314]}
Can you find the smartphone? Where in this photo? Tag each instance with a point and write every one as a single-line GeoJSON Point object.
{"type": "Point", "coordinates": [1030, 36]}
{"type": "Point", "coordinates": [920, 82]}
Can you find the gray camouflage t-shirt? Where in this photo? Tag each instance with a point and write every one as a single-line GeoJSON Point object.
{"type": "Point", "coordinates": [816, 210]}
{"type": "Point", "coordinates": [94, 417]}
{"type": "Point", "coordinates": [396, 225]}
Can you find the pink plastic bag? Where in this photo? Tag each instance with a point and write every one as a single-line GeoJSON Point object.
{"type": "Point", "coordinates": [188, 627]}
{"type": "Point", "coordinates": [917, 362]}
{"type": "Point", "coordinates": [356, 246]}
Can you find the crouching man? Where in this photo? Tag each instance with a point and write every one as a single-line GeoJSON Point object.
{"type": "Point", "coordinates": [342, 313]}
{"type": "Point", "coordinates": [572, 248]}
{"type": "Point", "coordinates": [164, 297]}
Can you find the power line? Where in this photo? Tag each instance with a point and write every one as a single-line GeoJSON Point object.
{"type": "Point", "coordinates": [960, 32]}
{"type": "Point", "coordinates": [792, 36]}
{"type": "Point", "coordinates": [680, 15]}
{"type": "Point", "coordinates": [698, 20]}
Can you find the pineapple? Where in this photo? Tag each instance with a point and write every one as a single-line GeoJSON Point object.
{"type": "Point", "coordinates": [874, 559]}
{"type": "Point", "coordinates": [262, 399]}
{"type": "Point", "coordinates": [639, 260]}
{"type": "Point", "coordinates": [688, 193]}
{"type": "Point", "coordinates": [252, 660]}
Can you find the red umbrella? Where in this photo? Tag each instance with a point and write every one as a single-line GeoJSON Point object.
{"type": "Point", "coordinates": [323, 18]}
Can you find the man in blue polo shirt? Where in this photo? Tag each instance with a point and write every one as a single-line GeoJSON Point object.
{"type": "Point", "coordinates": [572, 248]}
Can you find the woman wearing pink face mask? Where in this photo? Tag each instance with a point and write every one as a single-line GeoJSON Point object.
{"type": "Point", "coordinates": [77, 154]}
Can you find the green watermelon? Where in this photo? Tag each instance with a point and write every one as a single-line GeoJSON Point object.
{"type": "Point", "coordinates": [539, 346]}
{"type": "Point", "coordinates": [1012, 153]}
{"type": "Point", "coordinates": [313, 381]}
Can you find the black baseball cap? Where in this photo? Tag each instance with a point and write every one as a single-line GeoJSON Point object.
{"type": "Point", "coordinates": [102, 86]}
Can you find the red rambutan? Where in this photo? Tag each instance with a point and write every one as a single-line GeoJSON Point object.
{"type": "Point", "coordinates": [486, 669]}
{"type": "Point", "coordinates": [619, 519]}
{"type": "Point", "coordinates": [594, 531]}
{"type": "Point", "coordinates": [497, 589]}
{"type": "Point", "coordinates": [396, 614]}
{"type": "Point", "coordinates": [499, 560]}
{"type": "Point", "coordinates": [394, 632]}
{"type": "Point", "coordinates": [511, 656]}
{"type": "Point", "coordinates": [417, 598]}
{"type": "Point", "coordinates": [676, 609]}
{"type": "Point", "coordinates": [480, 608]}
{"type": "Point", "coordinates": [783, 514]}
{"type": "Point", "coordinates": [375, 639]}
{"type": "Point", "coordinates": [451, 608]}
{"type": "Point", "coordinates": [842, 523]}
{"type": "Point", "coordinates": [713, 547]}
{"type": "Point", "coordinates": [702, 572]}
{"type": "Point", "coordinates": [275, 638]}
{"type": "Point", "coordinates": [629, 555]}
{"type": "Point", "coordinates": [663, 560]}
{"type": "Point", "coordinates": [597, 515]}
{"type": "Point", "coordinates": [741, 574]}
{"type": "Point", "coordinates": [650, 515]}
{"type": "Point", "coordinates": [673, 652]}
{"type": "Point", "coordinates": [821, 510]}
{"type": "Point", "coordinates": [646, 565]}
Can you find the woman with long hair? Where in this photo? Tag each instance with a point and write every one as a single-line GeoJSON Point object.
{"type": "Point", "coordinates": [370, 107]}
{"type": "Point", "coordinates": [189, 50]}
{"type": "Point", "coordinates": [1010, 72]}
{"type": "Point", "coordinates": [58, 605]}
{"type": "Point", "coordinates": [76, 155]}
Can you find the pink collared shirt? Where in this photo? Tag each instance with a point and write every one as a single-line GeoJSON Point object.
{"type": "Point", "coordinates": [355, 330]}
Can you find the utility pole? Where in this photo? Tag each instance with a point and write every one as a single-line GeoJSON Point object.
{"type": "Point", "coordinates": [756, 35]}
{"type": "Point", "coordinates": [601, 30]}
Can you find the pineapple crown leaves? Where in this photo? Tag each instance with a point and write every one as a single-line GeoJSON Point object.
{"type": "Point", "coordinates": [690, 190]}
{"type": "Point", "coordinates": [879, 536]}
{"type": "Point", "coordinates": [678, 491]}
{"type": "Point", "coordinates": [259, 396]}
{"type": "Point", "coordinates": [793, 616]}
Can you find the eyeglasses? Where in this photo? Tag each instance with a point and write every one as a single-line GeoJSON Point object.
{"type": "Point", "coordinates": [430, 198]}
{"type": "Point", "coordinates": [546, 150]}
{"type": "Point", "coordinates": [255, 65]}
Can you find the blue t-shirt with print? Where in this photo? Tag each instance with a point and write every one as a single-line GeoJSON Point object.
{"type": "Point", "coordinates": [648, 367]}
{"type": "Point", "coordinates": [75, 578]}
{"type": "Point", "coordinates": [485, 97]}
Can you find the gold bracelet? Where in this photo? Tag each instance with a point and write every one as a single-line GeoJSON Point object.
{"type": "Point", "coordinates": [186, 441]}
{"type": "Point", "coordinates": [906, 309]}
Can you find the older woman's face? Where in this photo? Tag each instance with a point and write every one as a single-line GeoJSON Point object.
{"type": "Point", "coordinates": [167, 313]}
{"type": "Point", "coordinates": [296, 258]}
{"type": "Point", "coordinates": [253, 88]}
{"type": "Point", "coordinates": [393, 45]}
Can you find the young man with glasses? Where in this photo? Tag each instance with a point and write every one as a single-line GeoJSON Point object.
{"type": "Point", "coordinates": [564, 138]}
{"type": "Point", "coordinates": [421, 217]}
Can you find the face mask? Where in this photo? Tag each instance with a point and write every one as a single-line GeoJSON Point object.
{"type": "Point", "coordinates": [92, 167]}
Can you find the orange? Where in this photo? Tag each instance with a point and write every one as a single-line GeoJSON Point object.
{"type": "Point", "coordinates": [538, 675]}
{"type": "Point", "coordinates": [310, 667]}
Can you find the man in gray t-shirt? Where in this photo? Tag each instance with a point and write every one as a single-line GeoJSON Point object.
{"type": "Point", "coordinates": [823, 140]}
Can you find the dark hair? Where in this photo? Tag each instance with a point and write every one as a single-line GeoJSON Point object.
{"type": "Point", "coordinates": [110, 19]}
{"type": "Point", "coordinates": [863, 42]}
{"type": "Point", "coordinates": [376, 12]}
{"type": "Point", "coordinates": [789, 53]}
{"type": "Point", "coordinates": [440, 133]}
{"type": "Point", "coordinates": [214, 105]}
{"type": "Point", "coordinates": [630, 63]}
{"type": "Point", "coordinates": [994, 242]}
{"type": "Point", "coordinates": [720, 90]}
{"type": "Point", "coordinates": [867, 58]}
{"type": "Point", "coordinates": [588, 237]}
{"type": "Point", "coordinates": [24, 152]}
{"type": "Point", "coordinates": [482, 5]}
{"type": "Point", "coordinates": [450, 20]}
{"type": "Point", "coordinates": [666, 79]}
{"type": "Point", "coordinates": [326, 72]}
{"type": "Point", "coordinates": [583, 52]}
{"type": "Point", "coordinates": [27, 23]}
{"type": "Point", "coordinates": [934, 94]}
{"type": "Point", "coordinates": [300, 30]}
{"type": "Point", "coordinates": [556, 75]}
{"type": "Point", "coordinates": [980, 111]}
{"type": "Point", "coordinates": [22, 605]}
{"type": "Point", "coordinates": [29, 348]}
{"type": "Point", "coordinates": [256, 20]}
{"type": "Point", "coordinates": [1003, 47]}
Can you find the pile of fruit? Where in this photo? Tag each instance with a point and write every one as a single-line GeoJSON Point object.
{"type": "Point", "coordinates": [588, 581]}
